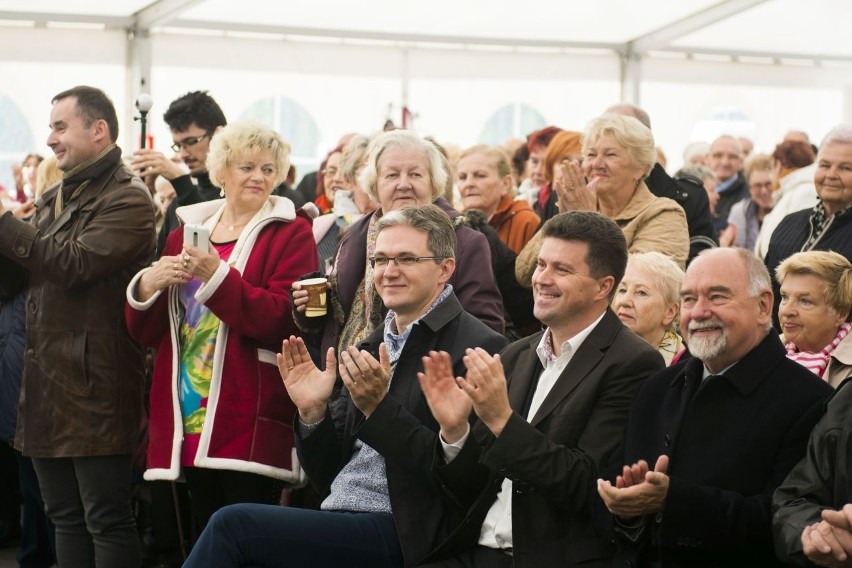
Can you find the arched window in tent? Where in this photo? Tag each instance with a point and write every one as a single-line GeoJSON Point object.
{"type": "Point", "coordinates": [514, 120]}
{"type": "Point", "coordinates": [295, 124]}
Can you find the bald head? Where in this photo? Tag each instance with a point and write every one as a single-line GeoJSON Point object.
{"type": "Point", "coordinates": [636, 112]}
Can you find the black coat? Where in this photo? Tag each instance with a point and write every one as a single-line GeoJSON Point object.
{"type": "Point", "coordinates": [401, 428]}
{"type": "Point", "coordinates": [821, 480]}
{"type": "Point", "coordinates": [791, 234]}
{"type": "Point", "coordinates": [553, 460]}
{"type": "Point", "coordinates": [729, 448]}
{"type": "Point", "coordinates": [692, 196]}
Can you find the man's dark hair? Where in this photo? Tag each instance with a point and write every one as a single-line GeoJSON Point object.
{"type": "Point", "coordinates": [92, 105]}
{"type": "Point", "coordinates": [195, 107]}
{"type": "Point", "coordinates": [607, 255]}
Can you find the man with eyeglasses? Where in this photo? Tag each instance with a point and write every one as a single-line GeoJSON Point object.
{"type": "Point", "coordinates": [193, 119]}
{"type": "Point", "coordinates": [369, 453]}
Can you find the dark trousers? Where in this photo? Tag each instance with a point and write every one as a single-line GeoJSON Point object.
{"type": "Point", "coordinates": [10, 497]}
{"type": "Point", "coordinates": [212, 489]}
{"type": "Point", "coordinates": [88, 500]}
{"type": "Point", "coordinates": [283, 537]}
{"type": "Point", "coordinates": [38, 545]}
{"type": "Point", "coordinates": [475, 557]}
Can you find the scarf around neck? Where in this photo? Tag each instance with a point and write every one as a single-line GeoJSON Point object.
{"type": "Point", "coordinates": [76, 180]}
{"type": "Point", "coordinates": [817, 362]}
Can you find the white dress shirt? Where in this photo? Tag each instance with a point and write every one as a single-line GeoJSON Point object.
{"type": "Point", "coordinates": [497, 528]}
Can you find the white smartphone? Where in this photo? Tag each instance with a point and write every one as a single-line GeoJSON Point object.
{"type": "Point", "coordinates": [197, 236]}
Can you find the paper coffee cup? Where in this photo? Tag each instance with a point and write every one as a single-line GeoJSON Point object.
{"type": "Point", "coordinates": [317, 296]}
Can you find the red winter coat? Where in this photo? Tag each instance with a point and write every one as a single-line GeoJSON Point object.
{"type": "Point", "coordinates": [249, 414]}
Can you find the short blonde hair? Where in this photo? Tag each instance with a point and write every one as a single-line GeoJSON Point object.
{"type": "Point", "coordinates": [634, 136]}
{"type": "Point", "coordinates": [438, 172]}
{"type": "Point", "coordinates": [241, 139]}
{"type": "Point", "coordinates": [48, 174]}
{"type": "Point", "coordinates": [353, 156]}
{"type": "Point", "coordinates": [757, 163]}
{"type": "Point", "coordinates": [499, 159]}
{"type": "Point", "coordinates": [832, 268]}
{"type": "Point", "coordinates": [668, 276]}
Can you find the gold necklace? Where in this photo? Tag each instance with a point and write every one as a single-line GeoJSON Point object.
{"type": "Point", "coordinates": [232, 227]}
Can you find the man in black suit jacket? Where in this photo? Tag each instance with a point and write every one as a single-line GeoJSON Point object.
{"type": "Point", "coordinates": [551, 409]}
{"type": "Point", "coordinates": [723, 428]}
{"type": "Point", "coordinates": [368, 453]}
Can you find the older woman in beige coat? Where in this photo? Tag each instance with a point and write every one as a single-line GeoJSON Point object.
{"type": "Point", "coordinates": [618, 153]}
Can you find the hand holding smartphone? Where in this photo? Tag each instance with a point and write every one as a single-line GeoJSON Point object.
{"type": "Point", "coordinates": [197, 236]}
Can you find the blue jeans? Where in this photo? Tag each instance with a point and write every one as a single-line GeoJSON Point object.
{"type": "Point", "coordinates": [284, 537]}
{"type": "Point", "coordinates": [88, 500]}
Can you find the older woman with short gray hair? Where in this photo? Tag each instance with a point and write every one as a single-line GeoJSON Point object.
{"type": "Point", "coordinates": [402, 169]}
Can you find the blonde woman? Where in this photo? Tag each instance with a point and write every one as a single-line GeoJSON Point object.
{"type": "Point", "coordinates": [648, 301]}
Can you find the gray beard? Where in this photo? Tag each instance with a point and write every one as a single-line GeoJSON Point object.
{"type": "Point", "coordinates": [707, 348]}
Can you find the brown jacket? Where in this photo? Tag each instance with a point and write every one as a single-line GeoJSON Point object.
{"type": "Point", "coordinates": [649, 223]}
{"type": "Point", "coordinates": [515, 222]}
{"type": "Point", "coordinates": [83, 375]}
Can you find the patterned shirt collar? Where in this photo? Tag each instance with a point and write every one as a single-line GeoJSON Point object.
{"type": "Point", "coordinates": [545, 350]}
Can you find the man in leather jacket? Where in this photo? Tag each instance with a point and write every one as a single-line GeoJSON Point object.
{"type": "Point", "coordinates": [81, 397]}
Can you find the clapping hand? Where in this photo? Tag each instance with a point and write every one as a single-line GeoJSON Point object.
{"type": "Point", "coordinates": [829, 542]}
{"type": "Point", "coordinates": [574, 194]}
{"type": "Point", "coordinates": [366, 378]}
{"type": "Point", "coordinates": [637, 490]}
{"type": "Point", "coordinates": [449, 404]}
{"type": "Point", "coordinates": [308, 387]}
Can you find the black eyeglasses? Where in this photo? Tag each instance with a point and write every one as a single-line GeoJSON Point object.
{"type": "Point", "coordinates": [189, 142]}
{"type": "Point", "coordinates": [407, 260]}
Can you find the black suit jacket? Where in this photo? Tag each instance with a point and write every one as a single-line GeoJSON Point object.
{"type": "Point", "coordinates": [692, 197]}
{"type": "Point", "coordinates": [729, 448]}
{"type": "Point", "coordinates": [553, 460]}
{"type": "Point", "coordinates": [401, 428]}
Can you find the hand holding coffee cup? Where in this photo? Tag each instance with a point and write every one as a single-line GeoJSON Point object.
{"type": "Point", "coordinates": [310, 296]}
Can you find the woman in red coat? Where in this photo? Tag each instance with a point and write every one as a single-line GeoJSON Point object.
{"type": "Point", "coordinates": [219, 413]}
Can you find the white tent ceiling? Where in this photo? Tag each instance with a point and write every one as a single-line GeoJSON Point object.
{"type": "Point", "coordinates": [817, 29]}
{"type": "Point", "coordinates": [787, 63]}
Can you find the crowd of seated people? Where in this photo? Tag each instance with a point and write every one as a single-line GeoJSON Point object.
{"type": "Point", "coordinates": [546, 353]}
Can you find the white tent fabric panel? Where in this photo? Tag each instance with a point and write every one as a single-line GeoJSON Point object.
{"type": "Point", "coordinates": [355, 61]}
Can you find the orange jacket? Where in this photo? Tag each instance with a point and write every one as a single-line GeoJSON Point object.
{"type": "Point", "coordinates": [515, 222]}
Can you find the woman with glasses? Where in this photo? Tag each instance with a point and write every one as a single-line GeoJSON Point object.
{"type": "Point", "coordinates": [401, 169]}
{"type": "Point", "coordinates": [351, 201]}
{"type": "Point", "coordinates": [217, 313]}
{"type": "Point", "coordinates": [746, 216]}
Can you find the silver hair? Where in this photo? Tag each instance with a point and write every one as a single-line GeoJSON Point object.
{"type": "Point", "coordinates": [841, 133]}
{"type": "Point", "coordinates": [757, 275]}
{"type": "Point", "coordinates": [438, 174]}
